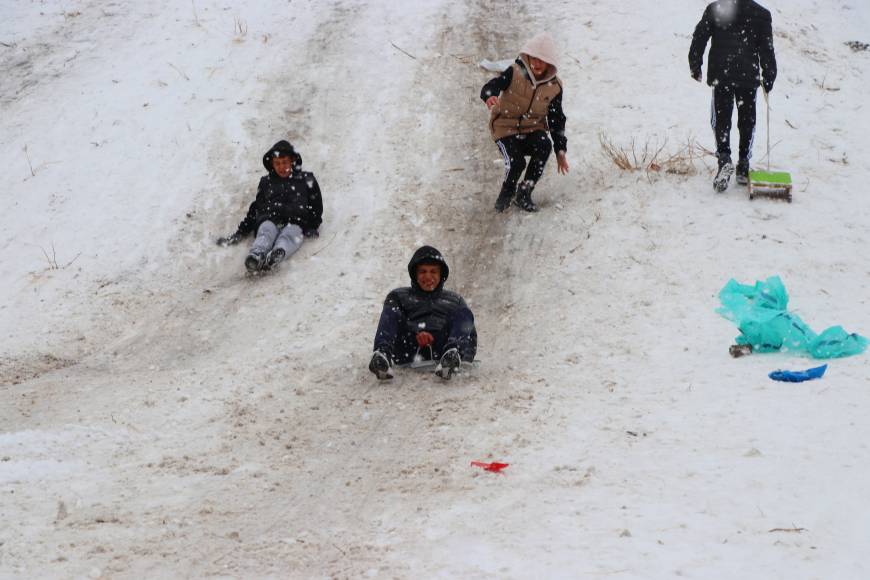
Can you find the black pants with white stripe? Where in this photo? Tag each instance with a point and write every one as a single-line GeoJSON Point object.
{"type": "Point", "coordinates": [516, 148]}
{"type": "Point", "coordinates": [724, 97]}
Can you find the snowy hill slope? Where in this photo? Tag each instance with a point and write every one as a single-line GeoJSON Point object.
{"type": "Point", "coordinates": [165, 416]}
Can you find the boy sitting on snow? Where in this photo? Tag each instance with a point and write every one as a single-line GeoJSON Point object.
{"type": "Point", "coordinates": [424, 321]}
{"type": "Point", "coordinates": [525, 102]}
{"type": "Point", "coordinates": [288, 207]}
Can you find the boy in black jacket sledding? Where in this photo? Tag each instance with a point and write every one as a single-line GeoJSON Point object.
{"type": "Point", "coordinates": [425, 321]}
{"type": "Point", "coordinates": [287, 209]}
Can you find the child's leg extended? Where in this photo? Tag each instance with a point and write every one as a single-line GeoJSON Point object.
{"type": "Point", "coordinates": [538, 147]}
{"type": "Point", "coordinates": [393, 338]}
{"type": "Point", "coordinates": [286, 244]}
{"type": "Point", "coordinates": [266, 234]}
{"type": "Point", "coordinates": [289, 240]}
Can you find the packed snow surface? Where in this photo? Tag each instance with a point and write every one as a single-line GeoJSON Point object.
{"type": "Point", "coordinates": [162, 415]}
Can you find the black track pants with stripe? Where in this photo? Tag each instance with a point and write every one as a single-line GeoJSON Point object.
{"type": "Point", "coordinates": [722, 108]}
{"type": "Point", "coordinates": [516, 148]}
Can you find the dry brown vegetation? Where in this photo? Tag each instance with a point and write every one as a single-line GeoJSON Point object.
{"type": "Point", "coordinates": [654, 157]}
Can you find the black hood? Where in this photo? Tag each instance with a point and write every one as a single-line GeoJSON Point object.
{"type": "Point", "coordinates": [427, 255]}
{"type": "Point", "coordinates": [281, 149]}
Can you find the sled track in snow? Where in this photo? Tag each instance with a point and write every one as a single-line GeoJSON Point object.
{"type": "Point", "coordinates": [402, 448]}
{"type": "Point", "coordinates": [288, 451]}
{"type": "Point", "coordinates": [407, 443]}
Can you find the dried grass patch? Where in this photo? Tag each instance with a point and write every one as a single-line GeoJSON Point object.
{"type": "Point", "coordinates": [653, 157]}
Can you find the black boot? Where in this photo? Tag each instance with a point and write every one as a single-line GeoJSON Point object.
{"type": "Point", "coordinates": [742, 172]}
{"type": "Point", "coordinates": [449, 364]}
{"type": "Point", "coordinates": [380, 366]}
{"type": "Point", "coordinates": [524, 197]}
{"type": "Point", "coordinates": [275, 257]}
{"type": "Point", "coordinates": [254, 262]}
{"type": "Point", "coordinates": [504, 198]}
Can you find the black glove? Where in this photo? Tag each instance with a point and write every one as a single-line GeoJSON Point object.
{"type": "Point", "coordinates": [768, 86]}
{"type": "Point", "coordinates": [311, 233]}
{"type": "Point", "coordinates": [229, 240]}
{"type": "Point", "coordinates": [696, 74]}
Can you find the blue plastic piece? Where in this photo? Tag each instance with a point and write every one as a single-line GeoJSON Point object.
{"type": "Point", "coordinates": [799, 376]}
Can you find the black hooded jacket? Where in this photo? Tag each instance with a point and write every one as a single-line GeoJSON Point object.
{"type": "Point", "coordinates": [742, 38]}
{"type": "Point", "coordinates": [429, 311]}
{"type": "Point", "coordinates": [294, 200]}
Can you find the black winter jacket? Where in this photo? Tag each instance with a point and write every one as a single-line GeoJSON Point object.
{"type": "Point", "coordinates": [742, 37]}
{"type": "Point", "coordinates": [432, 309]}
{"type": "Point", "coordinates": [555, 115]}
{"type": "Point", "coordinates": [294, 200]}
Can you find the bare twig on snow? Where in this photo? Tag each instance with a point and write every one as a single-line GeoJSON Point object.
{"type": "Point", "coordinates": [179, 71]}
{"type": "Point", "coordinates": [52, 259]}
{"type": "Point", "coordinates": [404, 51]}
{"type": "Point", "coordinates": [326, 246]}
{"type": "Point", "coordinates": [29, 164]}
{"type": "Point", "coordinates": [794, 530]}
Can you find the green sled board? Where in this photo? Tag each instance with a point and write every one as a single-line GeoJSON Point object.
{"type": "Point", "coordinates": [770, 177]}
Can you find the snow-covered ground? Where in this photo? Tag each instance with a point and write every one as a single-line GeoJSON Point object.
{"type": "Point", "coordinates": [161, 415]}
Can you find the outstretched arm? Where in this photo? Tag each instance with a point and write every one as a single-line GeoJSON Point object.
{"type": "Point", "coordinates": [556, 122]}
{"type": "Point", "coordinates": [248, 224]}
{"type": "Point", "coordinates": [315, 208]}
{"type": "Point", "coordinates": [703, 31]}
{"type": "Point", "coordinates": [491, 90]}
{"type": "Point", "coordinates": [766, 54]}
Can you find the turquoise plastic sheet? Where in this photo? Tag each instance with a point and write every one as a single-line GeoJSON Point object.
{"type": "Point", "coordinates": [761, 314]}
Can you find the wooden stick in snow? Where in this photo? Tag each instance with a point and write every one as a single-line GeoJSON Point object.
{"type": "Point", "coordinates": [404, 51]}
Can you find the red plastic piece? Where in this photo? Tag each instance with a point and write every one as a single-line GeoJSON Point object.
{"type": "Point", "coordinates": [494, 467]}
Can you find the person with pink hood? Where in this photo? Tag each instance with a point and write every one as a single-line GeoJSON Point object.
{"type": "Point", "coordinates": [525, 103]}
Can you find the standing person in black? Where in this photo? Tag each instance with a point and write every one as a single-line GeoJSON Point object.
{"type": "Point", "coordinates": [742, 39]}
{"type": "Point", "coordinates": [287, 209]}
{"type": "Point", "coordinates": [424, 321]}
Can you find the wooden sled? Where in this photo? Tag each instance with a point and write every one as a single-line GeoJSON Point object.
{"type": "Point", "coordinates": [772, 184]}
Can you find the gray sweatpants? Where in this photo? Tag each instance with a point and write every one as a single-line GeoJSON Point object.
{"type": "Point", "coordinates": [288, 239]}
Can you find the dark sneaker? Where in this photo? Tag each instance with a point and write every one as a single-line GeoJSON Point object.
{"type": "Point", "coordinates": [254, 262]}
{"type": "Point", "coordinates": [380, 366]}
{"type": "Point", "coordinates": [723, 178]}
{"type": "Point", "coordinates": [449, 364]}
{"type": "Point", "coordinates": [275, 257]}
{"type": "Point", "coordinates": [524, 197]}
{"type": "Point", "coordinates": [742, 172]}
{"type": "Point", "coordinates": [504, 199]}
